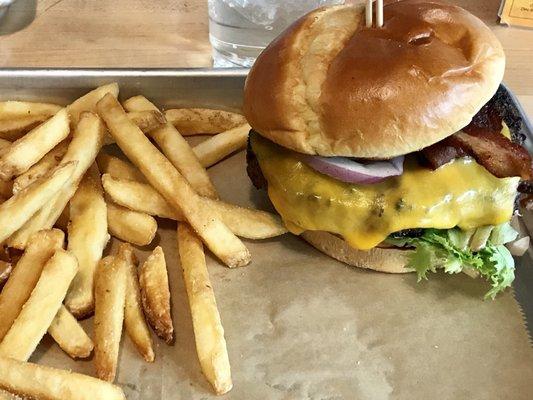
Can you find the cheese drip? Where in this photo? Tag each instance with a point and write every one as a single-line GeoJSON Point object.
{"type": "Point", "coordinates": [461, 193]}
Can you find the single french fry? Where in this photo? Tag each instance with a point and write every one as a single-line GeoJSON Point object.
{"type": "Point", "coordinates": [110, 297]}
{"type": "Point", "coordinates": [218, 147]}
{"type": "Point", "coordinates": [19, 209]}
{"type": "Point", "coordinates": [147, 120]}
{"type": "Point", "coordinates": [130, 226]}
{"type": "Point", "coordinates": [40, 308]}
{"type": "Point", "coordinates": [25, 275]}
{"type": "Point", "coordinates": [197, 121]}
{"type": "Point", "coordinates": [87, 239]}
{"type": "Point", "coordinates": [243, 222]}
{"type": "Point", "coordinates": [88, 101]}
{"type": "Point", "coordinates": [155, 294]}
{"type": "Point", "coordinates": [40, 382]}
{"type": "Point", "coordinates": [134, 321]}
{"type": "Point", "coordinates": [45, 164]}
{"type": "Point", "coordinates": [208, 330]}
{"type": "Point", "coordinates": [177, 150]}
{"type": "Point", "coordinates": [26, 151]}
{"type": "Point", "coordinates": [118, 168]}
{"type": "Point", "coordinates": [14, 128]}
{"type": "Point", "coordinates": [14, 109]}
{"type": "Point", "coordinates": [69, 335]}
{"type": "Point", "coordinates": [171, 184]}
{"type": "Point", "coordinates": [5, 271]}
{"type": "Point", "coordinates": [86, 142]}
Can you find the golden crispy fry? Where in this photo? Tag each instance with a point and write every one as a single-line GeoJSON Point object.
{"type": "Point", "coordinates": [218, 147]}
{"type": "Point", "coordinates": [85, 145]}
{"type": "Point", "coordinates": [45, 164]}
{"type": "Point", "coordinates": [15, 128]}
{"type": "Point", "coordinates": [118, 168]}
{"type": "Point", "coordinates": [26, 151]}
{"type": "Point", "coordinates": [147, 120]}
{"type": "Point", "coordinates": [110, 298]}
{"type": "Point", "coordinates": [130, 226]}
{"type": "Point", "coordinates": [87, 239]}
{"type": "Point", "coordinates": [177, 150]}
{"type": "Point", "coordinates": [19, 209]}
{"type": "Point", "coordinates": [25, 275]}
{"type": "Point", "coordinates": [40, 382]}
{"type": "Point", "coordinates": [88, 101]}
{"type": "Point", "coordinates": [243, 222]}
{"type": "Point", "coordinates": [5, 270]}
{"type": "Point", "coordinates": [171, 184]}
{"type": "Point", "coordinates": [208, 330]}
{"type": "Point", "coordinates": [69, 335]}
{"type": "Point", "coordinates": [134, 321]}
{"type": "Point", "coordinates": [155, 294]}
{"type": "Point", "coordinates": [197, 121]}
{"type": "Point", "coordinates": [14, 109]}
{"type": "Point", "coordinates": [40, 308]}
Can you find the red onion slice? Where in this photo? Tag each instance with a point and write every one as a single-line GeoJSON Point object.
{"type": "Point", "coordinates": [348, 170]}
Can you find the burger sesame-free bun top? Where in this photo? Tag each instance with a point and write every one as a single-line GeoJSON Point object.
{"type": "Point", "coordinates": [330, 86]}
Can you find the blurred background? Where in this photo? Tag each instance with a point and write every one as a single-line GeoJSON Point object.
{"type": "Point", "coordinates": [175, 33]}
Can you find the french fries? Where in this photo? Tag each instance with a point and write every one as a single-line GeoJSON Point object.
{"type": "Point", "coordinates": [83, 148]}
{"type": "Point", "coordinates": [30, 148]}
{"type": "Point", "coordinates": [24, 277]}
{"type": "Point", "coordinates": [13, 129]}
{"type": "Point", "coordinates": [197, 121]}
{"type": "Point", "coordinates": [16, 109]}
{"type": "Point", "coordinates": [5, 271]}
{"type": "Point", "coordinates": [4, 143]}
{"type": "Point", "coordinates": [130, 226]}
{"type": "Point", "coordinates": [110, 297]}
{"type": "Point", "coordinates": [177, 150]}
{"type": "Point", "coordinates": [155, 294]}
{"type": "Point", "coordinates": [243, 222]}
{"type": "Point", "coordinates": [45, 164]}
{"type": "Point", "coordinates": [69, 335]}
{"type": "Point", "coordinates": [87, 238]}
{"type": "Point", "coordinates": [19, 209]}
{"type": "Point", "coordinates": [147, 120]}
{"type": "Point", "coordinates": [118, 168]}
{"type": "Point", "coordinates": [40, 308]}
{"type": "Point", "coordinates": [134, 321]}
{"type": "Point", "coordinates": [171, 184]}
{"type": "Point", "coordinates": [218, 147]}
{"type": "Point", "coordinates": [39, 382]}
{"type": "Point", "coordinates": [208, 330]}
{"type": "Point", "coordinates": [88, 101]}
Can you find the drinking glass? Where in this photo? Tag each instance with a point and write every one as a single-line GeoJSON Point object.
{"type": "Point", "coordinates": [240, 29]}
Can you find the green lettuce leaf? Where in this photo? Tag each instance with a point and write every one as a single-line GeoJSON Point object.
{"type": "Point", "coordinates": [437, 249]}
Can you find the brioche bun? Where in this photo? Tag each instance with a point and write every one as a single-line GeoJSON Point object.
{"type": "Point", "coordinates": [392, 260]}
{"type": "Point", "coordinates": [330, 86]}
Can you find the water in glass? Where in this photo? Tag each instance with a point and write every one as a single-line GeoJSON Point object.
{"type": "Point", "coordinates": [240, 29]}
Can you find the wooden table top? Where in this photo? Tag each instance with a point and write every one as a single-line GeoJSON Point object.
{"type": "Point", "coordinates": [173, 33]}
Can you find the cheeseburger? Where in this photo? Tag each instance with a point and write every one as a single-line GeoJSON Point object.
{"type": "Point", "coordinates": [382, 148]}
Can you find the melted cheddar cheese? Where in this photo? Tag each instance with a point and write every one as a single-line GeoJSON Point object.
{"type": "Point", "coordinates": [461, 193]}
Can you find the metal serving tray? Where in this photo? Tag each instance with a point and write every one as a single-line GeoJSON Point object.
{"type": "Point", "coordinates": [220, 89]}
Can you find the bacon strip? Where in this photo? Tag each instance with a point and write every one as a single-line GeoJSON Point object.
{"type": "Point", "coordinates": [495, 152]}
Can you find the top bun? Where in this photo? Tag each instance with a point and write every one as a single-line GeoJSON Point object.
{"type": "Point", "coordinates": [330, 86]}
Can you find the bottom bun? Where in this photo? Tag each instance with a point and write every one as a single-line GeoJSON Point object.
{"type": "Point", "coordinates": [391, 260]}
